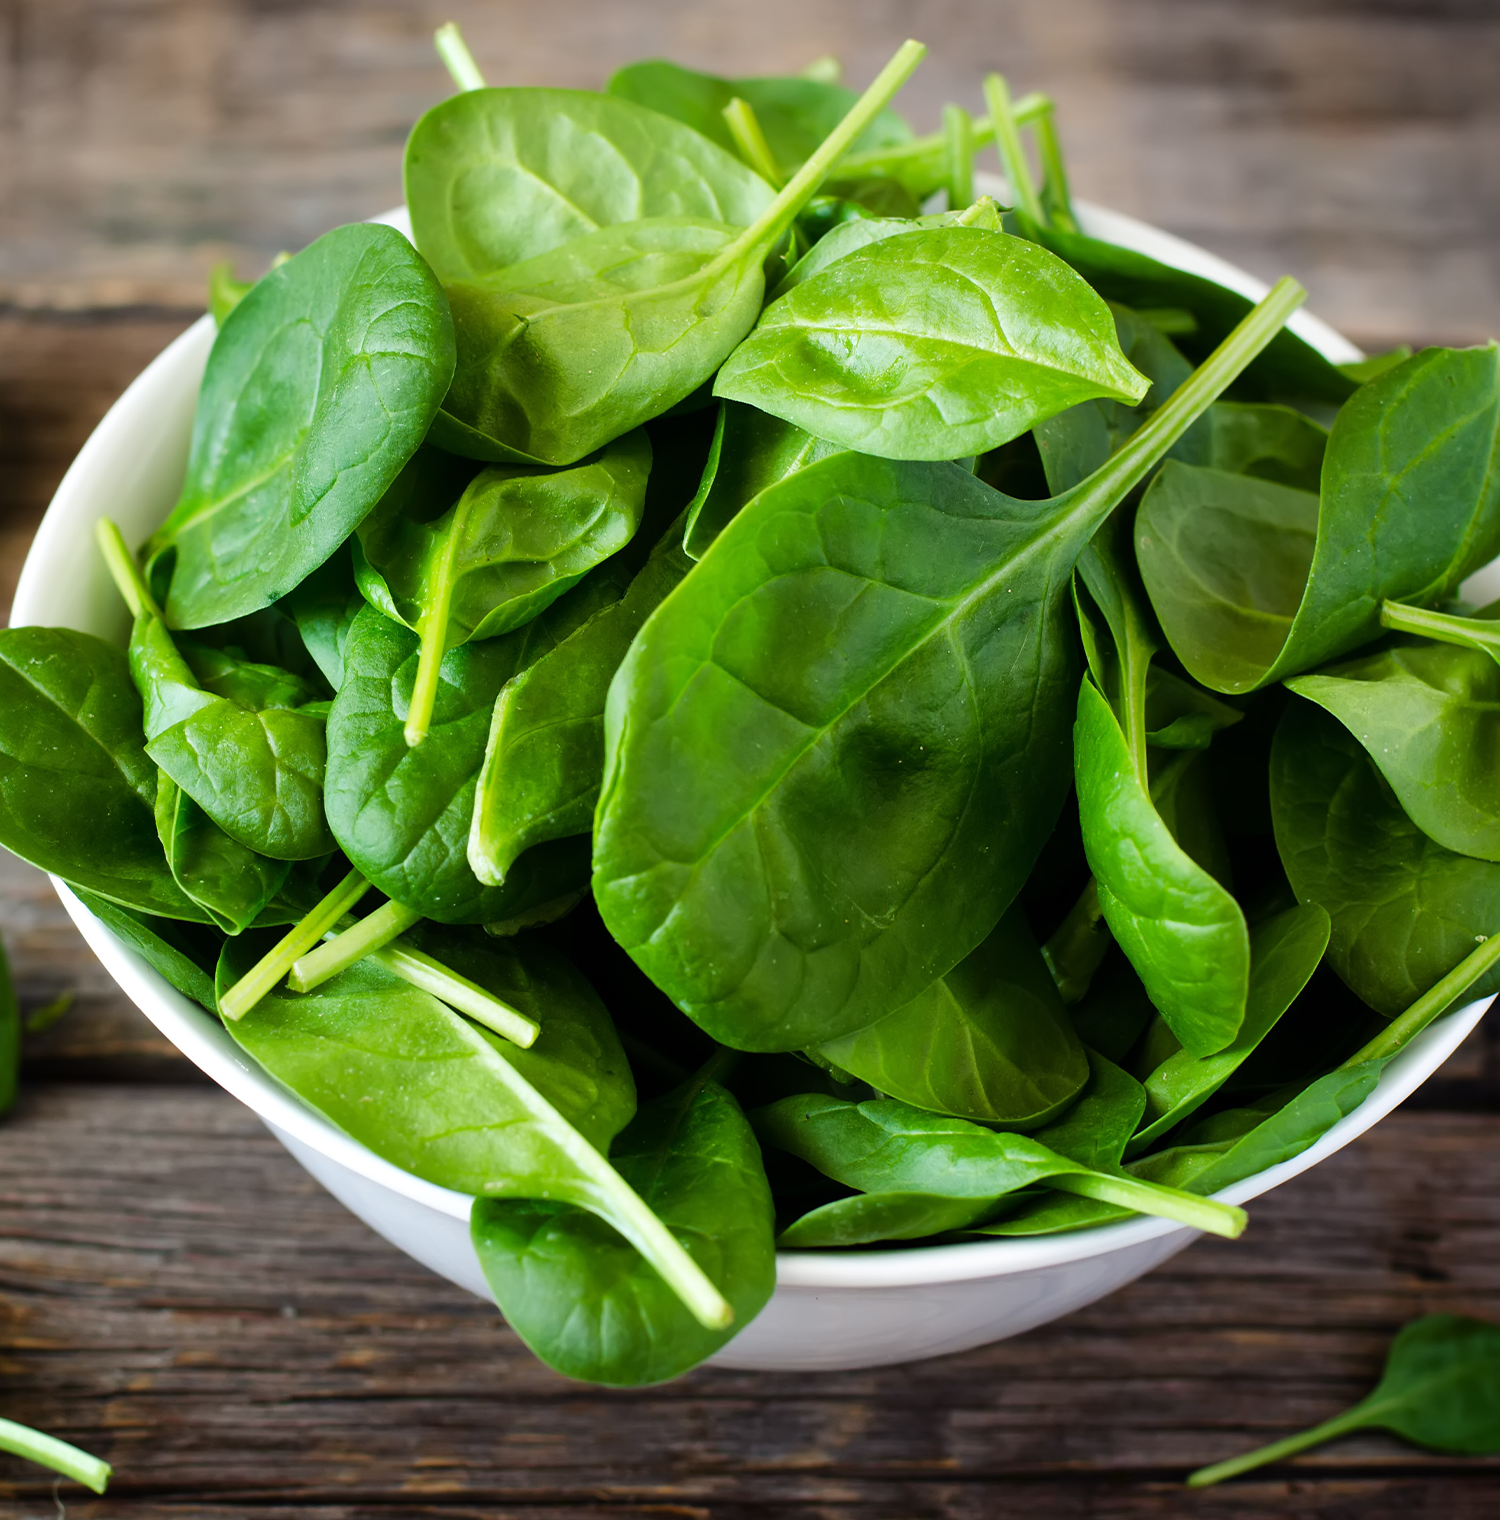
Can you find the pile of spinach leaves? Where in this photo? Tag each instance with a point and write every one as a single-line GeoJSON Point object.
{"type": "Point", "coordinates": [730, 691]}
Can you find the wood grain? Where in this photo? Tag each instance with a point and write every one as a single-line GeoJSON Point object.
{"type": "Point", "coordinates": [184, 1300]}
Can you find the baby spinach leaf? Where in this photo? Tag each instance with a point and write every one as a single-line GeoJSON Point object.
{"type": "Point", "coordinates": [988, 1041]}
{"type": "Point", "coordinates": [870, 1217]}
{"type": "Point", "coordinates": [937, 344]}
{"type": "Point", "coordinates": [402, 814]}
{"type": "Point", "coordinates": [796, 114]}
{"type": "Point", "coordinates": [324, 607]}
{"type": "Point", "coordinates": [545, 754]}
{"type": "Point", "coordinates": [653, 289]}
{"type": "Point", "coordinates": [875, 647]}
{"type": "Point", "coordinates": [1255, 581]}
{"type": "Point", "coordinates": [1428, 715]}
{"type": "Point", "coordinates": [1180, 715]}
{"type": "Point", "coordinates": [888, 1147]}
{"type": "Point", "coordinates": [584, 1298]}
{"type": "Point", "coordinates": [509, 547]}
{"type": "Point", "coordinates": [322, 382]}
{"type": "Point", "coordinates": [459, 1105]}
{"type": "Point", "coordinates": [77, 789]}
{"type": "Point", "coordinates": [184, 958]}
{"type": "Point", "coordinates": [230, 882]}
{"type": "Point", "coordinates": [1440, 1389]}
{"type": "Point", "coordinates": [1284, 953]}
{"type": "Point", "coordinates": [1404, 909]}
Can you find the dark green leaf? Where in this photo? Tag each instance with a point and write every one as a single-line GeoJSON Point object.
{"type": "Point", "coordinates": [869, 1217]}
{"type": "Point", "coordinates": [185, 957]}
{"type": "Point", "coordinates": [324, 607]}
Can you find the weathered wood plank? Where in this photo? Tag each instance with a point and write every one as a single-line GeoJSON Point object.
{"type": "Point", "coordinates": [182, 1298]}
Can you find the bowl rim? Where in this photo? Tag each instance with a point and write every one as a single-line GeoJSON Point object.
{"type": "Point", "coordinates": [77, 503]}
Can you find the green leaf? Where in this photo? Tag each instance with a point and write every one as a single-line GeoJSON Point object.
{"type": "Point", "coordinates": [882, 657]}
{"type": "Point", "coordinates": [186, 960]}
{"type": "Point", "coordinates": [934, 345]}
{"type": "Point", "coordinates": [1404, 909]}
{"type": "Point", "coordinates": [988, 1041]}
{"type": "Point", "coordinates": [1440, 1389]}
{"type": "Point", "coordinates": [77, 789]}
{"type": "Point", "coordinates": [544, 758]}
{"type": "Point", "coordinates": [1428, 715]}
{"type": "Point", "coordinates": [867, 1218]}
{"type": "Point", "coordinates": [324, 607]}
{"type": "Point", "coordinates": [1255, 581]}
{"type": "Point", "coordinates": [322, 382]}
{"type": "Point", "coordinates": [402, 814]}
{"type": "Point", "coordinates": [1180, 715]}
{"type": "Point", "coordinates": [581, 1295]}
{"type": "Point", "coordinates": [508, 548]}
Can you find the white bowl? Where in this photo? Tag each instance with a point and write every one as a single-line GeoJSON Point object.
{"type": "Point", "coordinates": [831, 1309]}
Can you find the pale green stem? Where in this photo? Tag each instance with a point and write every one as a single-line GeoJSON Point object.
{"type": "Point", "coordinates": [433, 629]}
{"type": "Point", "coordinates": [367, 936]}
{"type": "Point", "coordinates": [1054, 172]}
{"type": "Point", "coordinates": [877, 163]}
{"type": "Point", "coordinates": [57, 1455]}
{"type": "Point", "coordinates": [1352, 1419]}
{"type": "Point", "coordinates": [1162, 1202]}
{"type": "Point", "coordinates": [1012, 154]}
{"type": "Point", "coordinates": [1467, 633]}
{"type": "Point", "coordinates": [454, 52]}
{"type": "Point", "coordinates": [803, 185]}
{"type": "Point", "coordinates": [432, 976]}
{"type": "Point", "coordinates": [123, 569]}
{"type": "Point", "coordinates": [958, 141]}
{"type": "Point", "coordinates": [1405, 1026]}
{"type": "Point", "coordinates": [824, 70]}
{"type": "Point", "coordinates": [744, 127]}
{"type": "Point", "coordinates": [277, 961]}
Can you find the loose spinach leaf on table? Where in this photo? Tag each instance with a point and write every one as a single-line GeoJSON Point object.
{"type": "Point", "coordinates": [512, 543]}
{"type": "Point", "coordinates": [463, 1108]}
{"type": "Point", "coordinates": [321, 383]}
{"type": "Point", "coordinates": [583, 1297]}
{"type": "Point", "coordinates": [544, 758]}
{"type": "Point", "coordinates": [403, 815]}
{"type": "Point", "coordinates": [874, 647]}
{"type": "Point", "coordinates": [77, 789]}
{"type": "Point", "coordinates": [937, 344]}
{"type": "Point", "coordinates": [1428, 715]}
{"type": "Point", "coordinates": [1440, 1389]}
{"type": "Point", "coordinates": [639, 243]}
{"type": "Point", "coordinates": [1255, 581]}
{"type": "Point", "coordinates": [988, 1041]}
{"type": "Point", "coordinates": [1404, 909]}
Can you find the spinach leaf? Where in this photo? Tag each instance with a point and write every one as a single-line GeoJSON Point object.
{"type": "Point", "coordinates": [1180, 715]}
{"type": "Point", "coordinates": [1428, 715]}
{"type": "Point", "coordinates": [77, 789]}
{"type": "Point", "coordinates": [882, 655]}
{"type": "Point", "coordinates": [402, 815]}
{"type": "Point", "coordinates": [988, 1041]}
{"type": "Point", "coordinates": [509, 547]}
{"type": "Point", "coordinates": [545, 754]}
{"type": "Point", "coordinates": [655, 272]}
{"type": "Point", "coordinates": [937, 344]}
{"type": "Point", "coordinates": [324, 607]}
{"type": "Point", "coordinates": [889, 1147]}
{"type": "Point", "coordinates": [184, 958]}
{"type": "Point", "coordinates": [322, 382]}
{"type": "Point", "coordinates": [460, 1105]}
{"type": "Point", "coordinates": [1255, 581]}
{"type": "Point", "coordinates": [584, 1298]}
{"type": "Point", "coordinates": [796, 114]}
{"type": "Point", "coordinates": [1404, 909]}
{"type": "Point", "coordinates": [1440, 1389]}
{"type": "Point", "coordinates": [867, 1218]}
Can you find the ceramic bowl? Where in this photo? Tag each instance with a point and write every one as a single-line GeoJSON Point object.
{"type": "Point", "coordinates": [831, 1309]}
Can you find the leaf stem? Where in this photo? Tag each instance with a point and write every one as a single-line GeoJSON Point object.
{"type": "Point", "coordinates": [958, 146]}
{"type": "Point", "coordinates": [1056, 196]}
{"type": "Point", "coordinates": [803, 185]}
{"type": "Point", "coordinates": [1151, 1198]}
{"type": "Point", "coordinates": [1437, 999]}
{"type": "Point", "coordinates": [1351, 1419]}
{"type": "Point", "coordinates": [367, 935]}
{"type": "Point", "coordinates": [454, 52]}
{"type": "Point", "coordinates": [277, 961]}
{"type": "Point", "coordinates": [882, 163]}
{"type": "Point", "coordinates": [123, 570]}
{"type": "Point", "coordinates": [744, 127]}
{"type": "Point", "coordinates": [1467, 633]}
{"type": "Point", "coordinates": [1008, 145]}
{"type": "Point", "coordinates": [59, 1456]}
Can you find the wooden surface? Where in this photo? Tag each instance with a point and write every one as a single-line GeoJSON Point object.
{"type": "Point", "coordinates": [177, 1295]}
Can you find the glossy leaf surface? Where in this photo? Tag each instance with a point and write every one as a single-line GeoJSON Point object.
{"type": "Point", "coordinates": [322, 382]}
{"type": "Point", "coordinates": [185, 957]}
